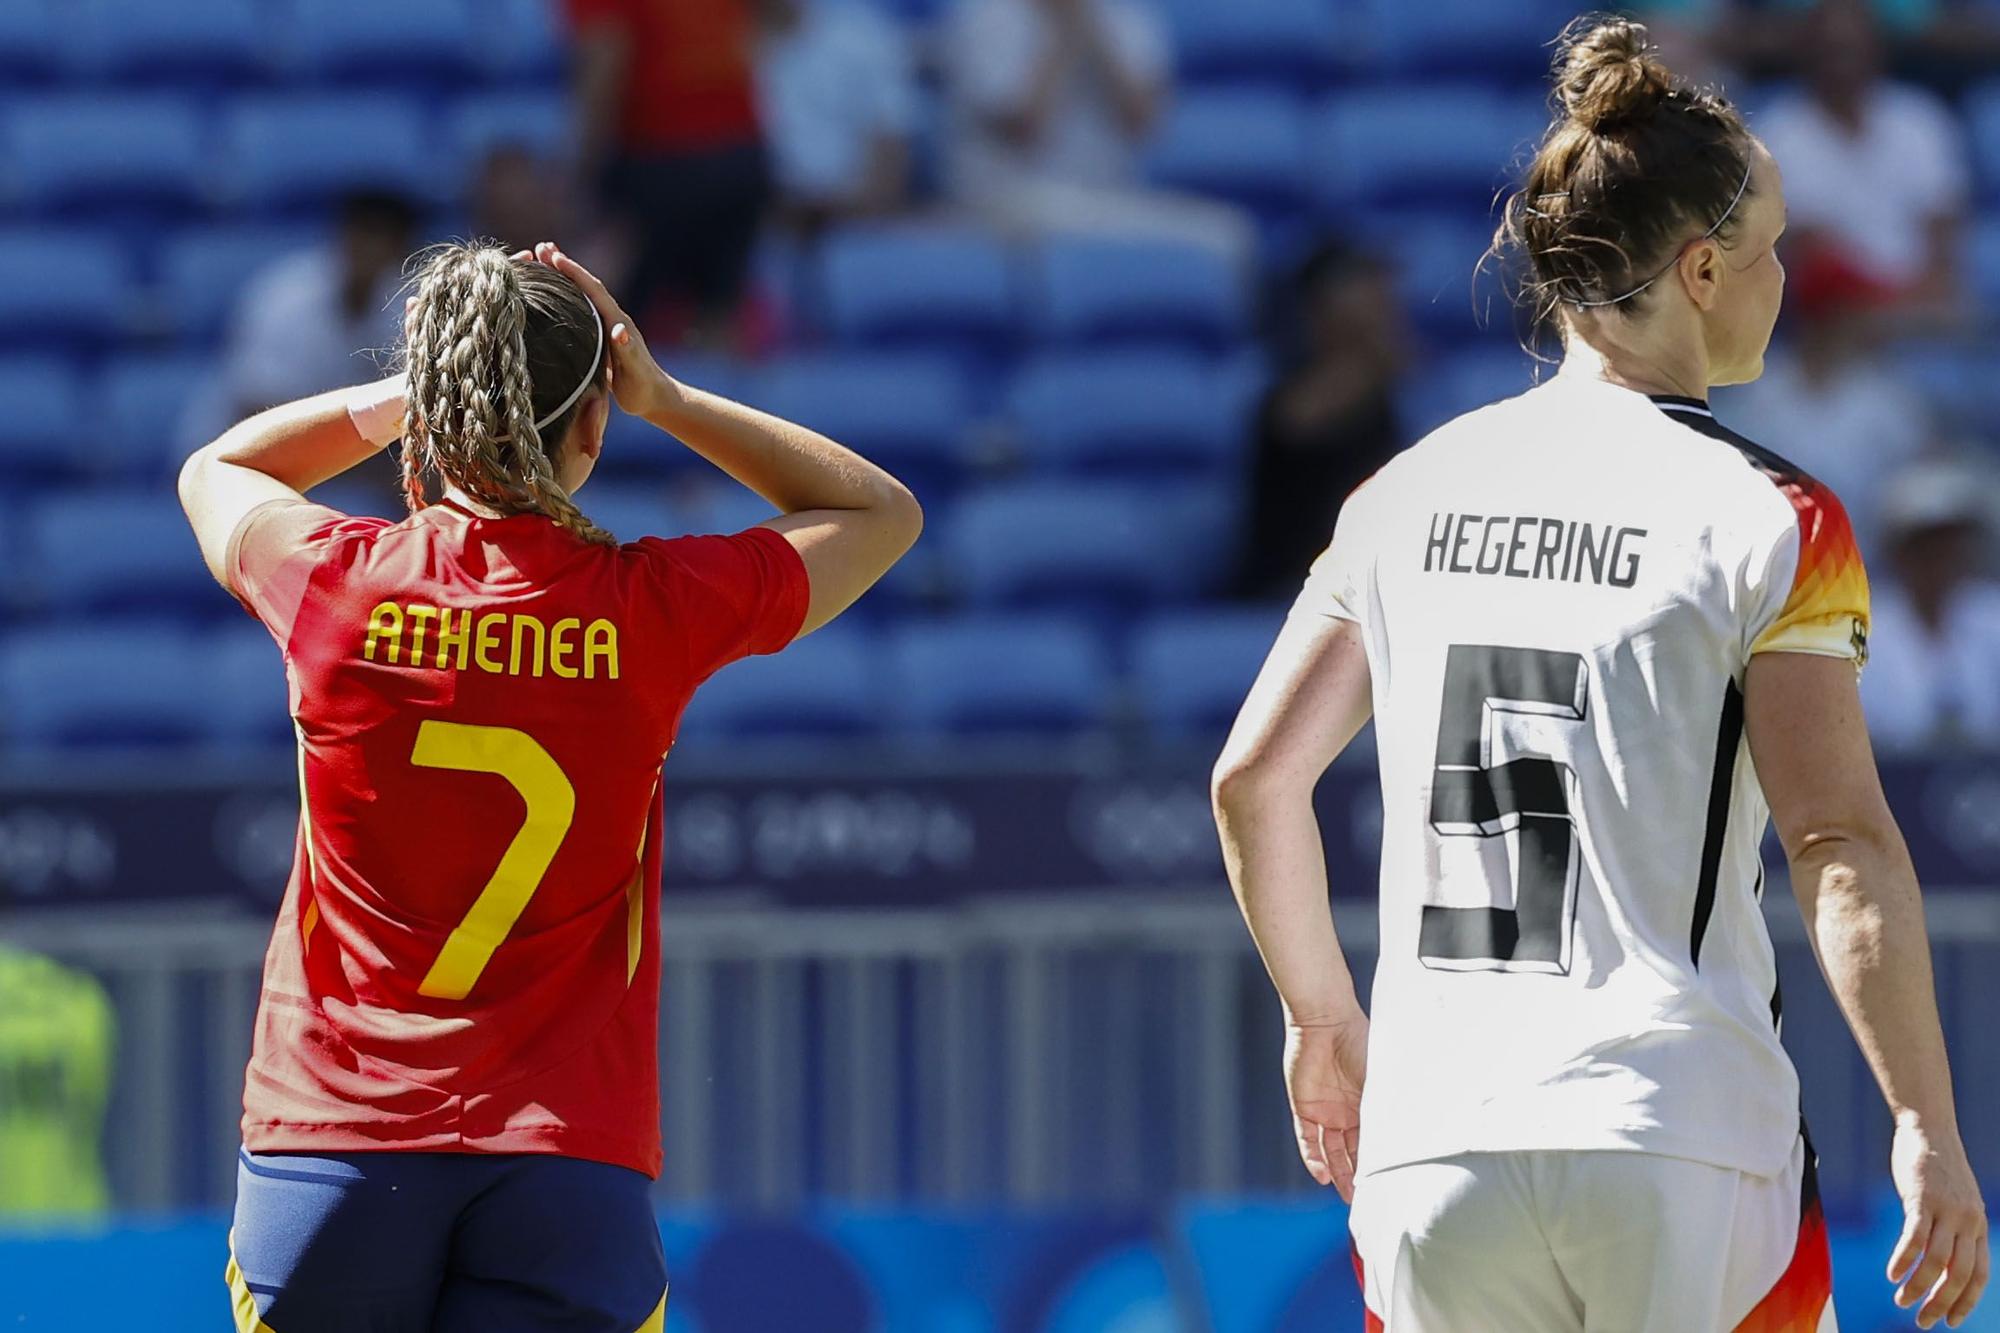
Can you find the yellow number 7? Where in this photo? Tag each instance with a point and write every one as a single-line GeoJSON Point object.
{"type": "Point", "coordinates": [551, 801]}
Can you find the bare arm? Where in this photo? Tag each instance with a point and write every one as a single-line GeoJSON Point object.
{"type": "Point", "coordinates": [277, 454]}
{"type": "Point", "coordinates": [1855, 885]}
{"type": "Point", "coordinates": [849, 520]}
{"type": "Point", "coordinates": [1310, 699]}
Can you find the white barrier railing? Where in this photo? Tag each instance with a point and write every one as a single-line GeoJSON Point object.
{"type": "Point", "coordinates": [1090, 1050]}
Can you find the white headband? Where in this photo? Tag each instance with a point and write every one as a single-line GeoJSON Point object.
{"type": "Point", "coordinates": [1726, 214]}
{"type": "Point", "coordinates": [590, 376]}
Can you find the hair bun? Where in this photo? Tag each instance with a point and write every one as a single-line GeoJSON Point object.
{"type": "Point", "coordinates": [1610, 74]}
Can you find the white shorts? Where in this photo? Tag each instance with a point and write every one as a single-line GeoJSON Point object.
{"type": "Point", "coordinates": [1595, 1242]}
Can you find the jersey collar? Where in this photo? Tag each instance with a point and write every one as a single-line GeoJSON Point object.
{"type": "Point", "coordinates": [1673, 402]}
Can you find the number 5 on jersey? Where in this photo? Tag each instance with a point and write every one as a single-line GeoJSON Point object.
{"type": "Point", "coordinates": [551, 802]}
{"type": "Point", "coordinates": [1477, 794]}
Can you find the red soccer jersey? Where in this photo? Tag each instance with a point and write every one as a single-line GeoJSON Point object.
{"type": "Point", "coordinates": [467, 957]}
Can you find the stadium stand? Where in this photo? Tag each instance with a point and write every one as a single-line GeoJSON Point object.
{"type": "Point", "coordinates": [1074, 409]}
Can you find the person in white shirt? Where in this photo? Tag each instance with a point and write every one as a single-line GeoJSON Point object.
{"type": "Point", "coordinates": [1604, 641]}
{"type": "Point", "coordinates": [1935, 682]}
{"type": "Point", "coordinates": [1875, 171]}
{"type": "Point", "coordinates": [1053, 104]}
{"type": "Point", "coordinates": [319, 319]}
{"type": "Point", "coordinates": [837, 87]}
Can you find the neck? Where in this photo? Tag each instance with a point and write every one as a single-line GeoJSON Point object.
{"type": "Point", "coordinates": [456, 494]}
{"type": "Point", "coordinates": [1629, 368]}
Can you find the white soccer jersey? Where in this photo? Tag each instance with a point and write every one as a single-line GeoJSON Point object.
{"type": "Point", "coordinates": [1559, 595]}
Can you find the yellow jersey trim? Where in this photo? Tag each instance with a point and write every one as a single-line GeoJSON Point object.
{"type": "Point", "coordinates": [243, 1305]}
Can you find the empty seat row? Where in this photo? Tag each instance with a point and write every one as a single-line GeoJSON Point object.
{"type": "Point", "coordinates": [153, 684]}
{"type": "Point", "coordinates": [1390, 146]}
{"type": "Point", "coordinates": [1125, 411]}
{"type": "Point", "coordinates": [919, 284]}
{"type": "Point", "coordinates": [1094, 546]}
{"type": "Point", "coordinates": [1156, 414]}
{"type": "Point", "coordinates": [230, 41]}
{"type": "Point", "coordinates": [141, 683]}
{"type": "Point", "coordinates": [86, 152]}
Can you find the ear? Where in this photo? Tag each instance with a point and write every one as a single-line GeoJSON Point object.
{"type": "Point", "coordinates": [590, 425]}
{"type": "Point", "coordinates": [1702, 273]}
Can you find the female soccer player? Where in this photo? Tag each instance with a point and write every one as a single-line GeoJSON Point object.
{"type": "Point", "coordinates": [1598, 632]}
{"type": "Point", "coordinates": [452, 1111]}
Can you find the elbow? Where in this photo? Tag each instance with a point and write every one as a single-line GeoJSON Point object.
{"type": "Point", "coordinates": [1237, 782]}
{"type": "Point", "coordinates": [193, 477]}
{"type": "Point", "coordinates": [901, 510]}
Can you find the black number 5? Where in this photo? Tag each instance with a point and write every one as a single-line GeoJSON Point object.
{"type": "Point", "coordinates": [1475, 794]}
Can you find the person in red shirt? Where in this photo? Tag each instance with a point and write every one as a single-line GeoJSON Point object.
{"type": "Point", "coordinates": [672, 142]}
{"type": "Point", "coordinates": [451, 1114]}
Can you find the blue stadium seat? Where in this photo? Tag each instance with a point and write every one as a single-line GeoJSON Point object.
{"type": "Point", "coordinates": [1444, 281]}
{"type": "Point", "coordinates": [245, 701]}
{"type": "Point", "coordinates": [827, 684]}
{"type": "Point", "coordinates": [1246, 146]}
{"type": "Point", "coordinates": [1000, 674]}
{"type": "Point", "coordinates": [1296, 41]}
{"type": "Point", "coordinates": [42, 425]}
{"type": "Point", "coordinates": [906, 410]}
{"type": "Point", "coordinates": [102, 684]}
{"type": "Point", "coordinates": [1404, 146]}
{"type": "Point", "coordinates": [28, 40]}
{"type": "Point", "coordinates": [1138, 412]}
{"type": "Point", "coordinates": [294, 153]}
{"type": "Point", "coordinates": [1086, 545]}
{"type": "Point", "coordinates": [523, 40]}
{"type": "Point", "coordinates": [1194, 667]}
{"type": "Point", "coordinates": [630, 512]}
{"type": "Point", "coordinates": [1982, 116]}
{"type": "Point", "coordinates": [95, 551]}
{"type": "Point", "coordinates": [372, 41]}
{"type": "Point", "coordinates": [1508, 42]}
{"type": "Point", "coordinates": [1092, 289]}
{"type": "Point", "coordinates": [63, 288]}
{"type": "Point", "coordinates": [204, 269]}
{"type": "Point", "coordinates": [144, 41]}
{"type": "Point", "coordinates": [94, 150]}
{"type": "Point", "coordinates": [1983, 258]}
{"type": "Point", "coordinates": [140, 404]}
{"type": "Point", "coordinates": [477, 125]}
{"type": "Point", "coordinates": [903, 285]}
{"type": "Point", "coordinates": [721, 506]}
{"type": "Point", "coordinates": [1462, 382]}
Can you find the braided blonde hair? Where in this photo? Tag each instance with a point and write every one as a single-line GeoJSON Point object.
{"type": "Point", "coordinates": [481, 329]}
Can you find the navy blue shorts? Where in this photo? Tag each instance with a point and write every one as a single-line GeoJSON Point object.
{"type": "Point", "coordinates": [410, 1242]}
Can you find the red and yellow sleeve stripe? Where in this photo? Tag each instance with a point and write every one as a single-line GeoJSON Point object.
{"type": "Point", "coordinates": [1827, 610]}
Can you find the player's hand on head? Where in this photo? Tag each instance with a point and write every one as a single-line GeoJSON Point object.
{"type": "Point", "coordinates": [1943, 1259]}
{"type": "Point", "coordinates": [1325, 1065]}
{"type": "Point", "coordinates": [637, 381]}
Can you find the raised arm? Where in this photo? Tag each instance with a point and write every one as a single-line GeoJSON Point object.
{"type": "Point", "coordinates": [849, 520]}
{"type": "Point", "coordinates": [280, 453]}
{"type": "Point", "coordinates": [1308, 702]}
{"type": "Point", "coordinates": [1858, 891]}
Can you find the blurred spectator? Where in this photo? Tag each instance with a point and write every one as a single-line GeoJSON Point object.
{"type": "Point", "coordinates": [837, 84]}
{"type": "Point", "coordinates": [1875, 172]}
{"type": "Point", "coordinates": [310, 321]}
{"type": "Point", "coordinates": [518, 198]}
{"type": "Point", "coordinates": [1054, 101]}
{"type": "Point", "coordinates": [670, 136]}
{"type": "Point", "coordinates": [1330, 421]}
{"type": "Point", "coordinates": [1933, 677]}
{"type": "Point", "coordinates": [1827, 399]}
{"type": "Point", "coordinates": [56, 1039]}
